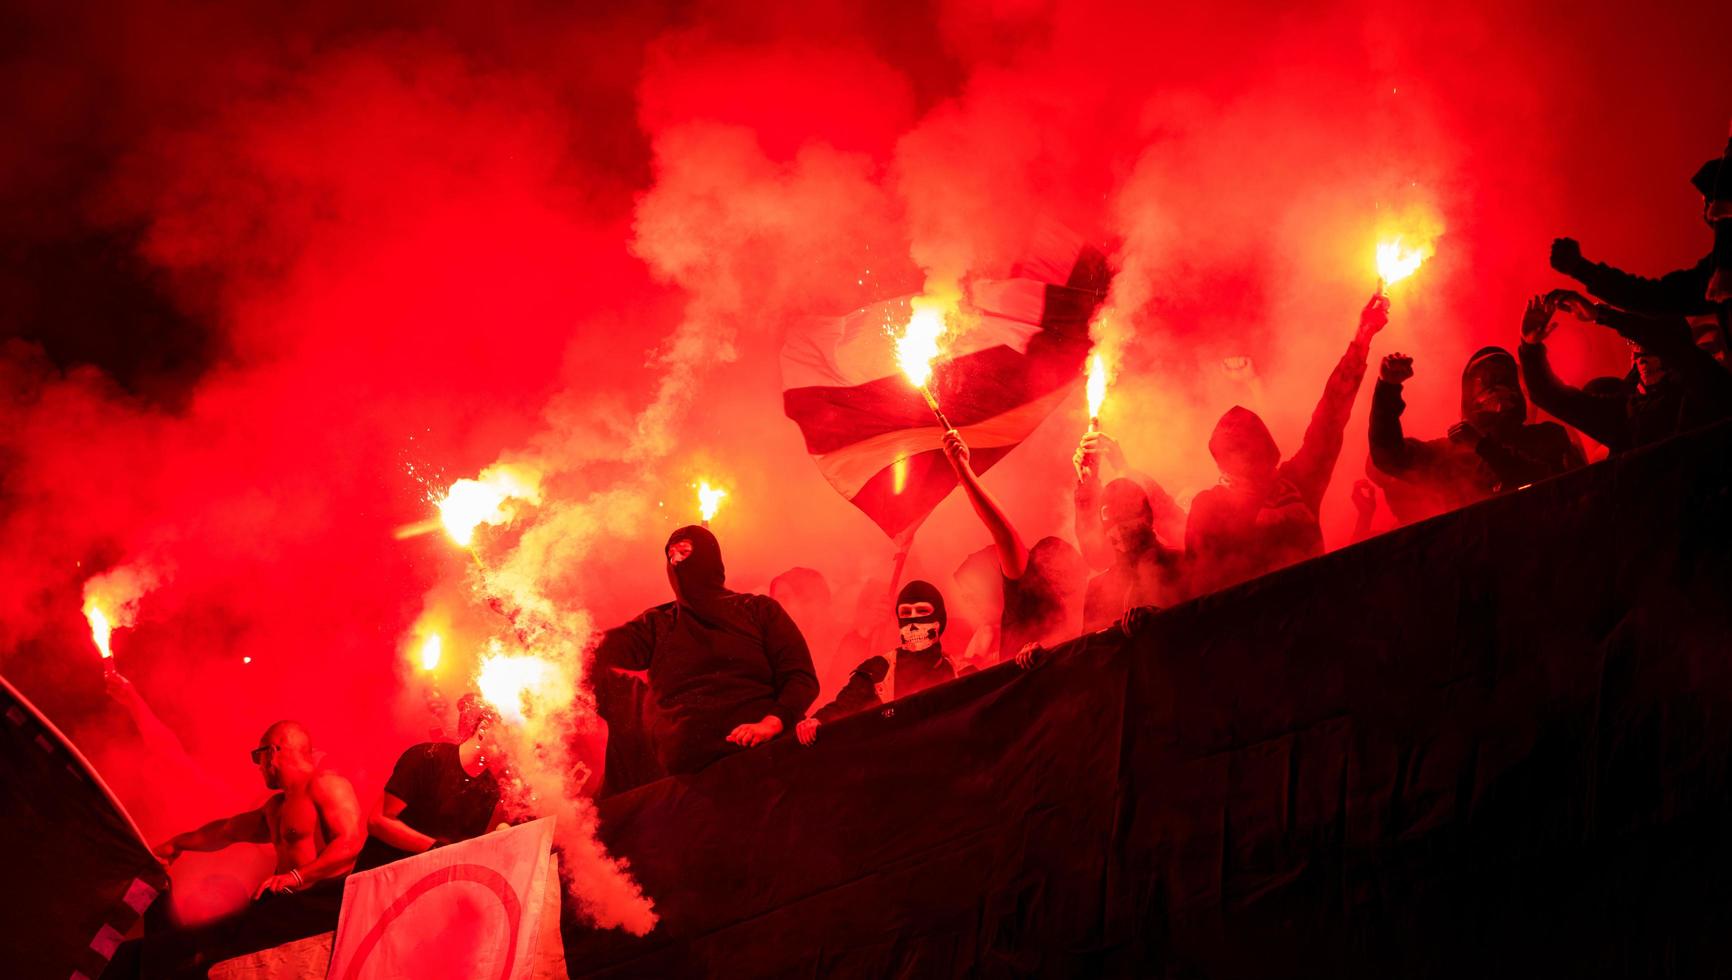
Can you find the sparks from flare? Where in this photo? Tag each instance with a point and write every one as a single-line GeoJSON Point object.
{"type": "Point", "coordinates": [709, 500]}
{"type": "Point", "coordinates": [918, 347]}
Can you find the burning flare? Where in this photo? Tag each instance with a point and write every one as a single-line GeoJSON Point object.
{"type": "Point", "coordinates": [508, 681]}
{"type": "Point", "coordinates": [1097, 388]}
{"type": "Point", "coordinates": [100, 630]}
{"type": "Point", "coordinates": [431, 649]}
{"type": "Point", "coordinates": [918, 346]}
{"type": "Point", "coordinates": [486, 500]}
{"type": "Point", "coordinates": [709, 500]}
{"type": "Point", "coordinates": [1396, 261]}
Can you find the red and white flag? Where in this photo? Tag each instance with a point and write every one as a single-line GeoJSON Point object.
{"type": "Point", "coordinates": [470, 910]}
{"type": "Point", "coordinates": [868, 429]}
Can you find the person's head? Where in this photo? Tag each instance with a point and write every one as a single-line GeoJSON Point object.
{"type": "Point", "coordinates": [1243, 448]}
{"type": "Point", "coordinates": [1491, 391]}
{"type": "Point", "coordinates": [1126, 517]}
{"type": "Point", "coordinates": [284, 753]}
{"type": "Point", "coordinates": [1704, 181]}
{"type": "Point", "coordinates": [474, 714]}
{"type": "Point", "coordinates": [695, 570]}
{"type": "Point", "coordinates": [920, 615]}
{"type": "Point", "coordinates": [1650, 368]}
{"type": "Point", "coordinates": [802, 589]}
{"type": "Point", "coordinates": [1056, 575]}
{"type": "Point", "coordinates": [1710, 336]}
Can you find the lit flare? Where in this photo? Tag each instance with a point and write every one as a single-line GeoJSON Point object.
{"type": "Point", "coordinates": [431, 649]}
{"type": "Point", "coordinates": [1097, 389]}
{"type": "Point", "coordinates": [1396, 261]}
{"type": "Point", "coordinates": [100, 629]}
{"type": "Point", "coordinates": [509, 681]}
{"type": "Point", "coordinates": [919, 346]}
{"type": "Point", "coordinates": [489, 499]}
{"type": "Point", "coordinates": [709, 500]}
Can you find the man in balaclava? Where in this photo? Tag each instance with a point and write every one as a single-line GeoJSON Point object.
{"type": "Point", "coordinates": [1673, 385]}
{"type": "Point", "coordinates": [726, 670]}
{"type": "Point", "coordinates": [1263, 516]}
{"type": "Point", "coordinates": [1144, 571]}
{"type": "Point", "coordinates": [917, 663]}
{"type": "Point", "coordinates": [1692, 292]}
{"type": "Point", "coordinates": [1492, 449]}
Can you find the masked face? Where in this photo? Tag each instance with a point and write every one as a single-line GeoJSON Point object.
{"type": "Point", "coordinates": [679, 551]}
{"type": "Point", "coordinates": [918, 623]}
{"type": "Point", "coordinates": [920, 616]}
{"type": "Point", "coordinates": [1498, 404]}
{"type": "Point", "coordinates": [1650, 369]}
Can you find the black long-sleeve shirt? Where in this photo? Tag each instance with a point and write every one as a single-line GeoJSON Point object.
{"type": "Point", "coordinates": [1440, 475]}
{"type": "Point", "coordinates": [1617, 413]}
{"type": "Point", "coordinates": [912, 672]}
{"type": "Point", "coordinates": [738, 662]}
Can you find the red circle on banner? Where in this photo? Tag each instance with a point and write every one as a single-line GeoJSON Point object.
{"type": "Point", "coordinates": [485, 877]}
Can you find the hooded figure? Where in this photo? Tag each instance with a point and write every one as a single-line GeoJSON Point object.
{"type": "Point", "coordinates": [917, 663]}
{"type": "Point", "coordinates": [1144, 571]}
{"type": "Point", "coordinates": [1263, 516]}
{"type": "Point", "coordinates": [725, 669]}
{"type": "Point", "coordinates": [1491, 450]}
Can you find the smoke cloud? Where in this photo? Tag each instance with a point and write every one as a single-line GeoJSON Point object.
{"type": "Point", "coordinates": [275, 280]}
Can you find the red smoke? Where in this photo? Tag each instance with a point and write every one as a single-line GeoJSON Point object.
{"type": "Point", "coordinates": [274, 275]}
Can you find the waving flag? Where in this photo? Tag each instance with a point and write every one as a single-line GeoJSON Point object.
{"type": "Point", "coordinates": [1018, 357]}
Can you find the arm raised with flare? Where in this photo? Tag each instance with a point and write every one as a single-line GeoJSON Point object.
{"type": "Point", "coordinates": [1314, 463]}
{"type": "Point", "coordinates": [1012, 553]}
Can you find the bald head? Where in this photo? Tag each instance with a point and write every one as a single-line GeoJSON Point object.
{"type": "Point", "coordinates": [286, 734]}
{"type": "Point", "coordinates": [284, 754]}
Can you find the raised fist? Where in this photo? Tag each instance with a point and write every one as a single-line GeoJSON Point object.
{"type": "Point", "coordinates": [1396, 369]}
{"type": "Point", "coordinates": [1566, 255]}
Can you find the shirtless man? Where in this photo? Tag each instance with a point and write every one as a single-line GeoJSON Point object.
{"type": "Point", "coordinates": [313, 820]}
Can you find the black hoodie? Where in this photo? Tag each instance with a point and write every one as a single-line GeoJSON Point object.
{"type": "Point", "coordinates": [1423, 479]}
{"type": "Point", "coordinates": [912, 670]}
{"type": "Point", "coordinates": [716, 659]}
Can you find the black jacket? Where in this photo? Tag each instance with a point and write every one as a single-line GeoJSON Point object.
{"type": "Point", "coordinates": [914, 672]}
{"type": "Point", "coordinates": [1617, 414]}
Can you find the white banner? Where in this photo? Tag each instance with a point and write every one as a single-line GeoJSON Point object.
{"type": "Point", "coordinates": [469, 910]}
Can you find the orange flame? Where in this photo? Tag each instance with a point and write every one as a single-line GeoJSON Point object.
{"type": "Point", "coordinates": [100, 629]}
{"type": "Point", "coordinates": [486, 500]}
{"type": "Point", "coordinates": [508, 681]}
{"type": "Point", "coordinates": [1396, 261]}
{"type": "Point", "coordinates": [709, 499]}
{"type": "Point", "coordinates": [919, 344]}
{"type": "Point", "coordinates": [1097, 385]}
{"type": "Point", "coordinates": [431, 649]}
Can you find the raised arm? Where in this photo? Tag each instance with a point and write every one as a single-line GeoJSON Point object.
{"type": "Point", "coordinates": [1012, 553]}
{"type": "Point", "coordinates": [242, 828]}
{"type": "Point", "coordinates": [1311, 467]}
{"type": "Point", "coordinates": [1682, 293]}
{"type": "Point", "coordinates": [1391, 451]}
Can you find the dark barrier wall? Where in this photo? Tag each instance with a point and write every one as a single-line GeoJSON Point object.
{"type": "Point", "coordinates": [1496, 742]}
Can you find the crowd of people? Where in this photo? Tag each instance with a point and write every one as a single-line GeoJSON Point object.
{"type": "Point", "coordinates": [714, 671]}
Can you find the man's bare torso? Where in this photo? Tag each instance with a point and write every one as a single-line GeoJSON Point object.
{"type": "Point", "coordinates": [297, 828]}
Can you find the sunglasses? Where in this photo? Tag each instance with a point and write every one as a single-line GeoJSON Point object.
{"type": "Point", "coordinates": [913, 610]}
{"type": "Point", "coordinates": [262, 751]}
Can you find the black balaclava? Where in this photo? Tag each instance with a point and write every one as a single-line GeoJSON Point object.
{"type": "Point", "coordinates": [1488, 368]}
{"type": "Point", "coordinates": [699, 578]}
{"type": "Point", "coordinates": [920, 633]}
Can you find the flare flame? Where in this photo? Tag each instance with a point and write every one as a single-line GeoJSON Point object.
{"type": "Point", "coordinates": [1097, 385]}
{"type": "Point", "coordinates": [488, 499]}
{"type": "Point", "coordinates": [709, 499]}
